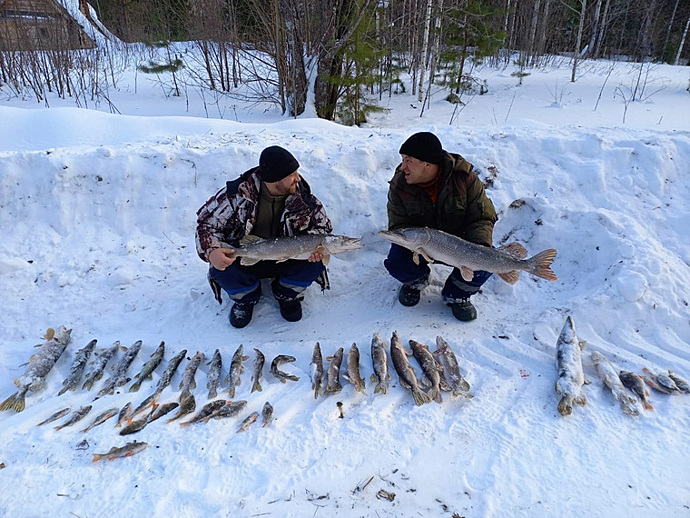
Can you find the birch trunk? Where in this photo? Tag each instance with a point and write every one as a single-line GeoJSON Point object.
{"type": "Point", "coordinates": [425, 50]}
{"type": "Point", "coordinates": [576, 54]}
{"type": "Point", "coordinates": [682, 42]}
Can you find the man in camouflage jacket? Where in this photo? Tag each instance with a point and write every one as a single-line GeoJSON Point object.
{"type": "Point", "coordinates": [271, 200]}
{"type": "Point", "coordinates": [436, 189]}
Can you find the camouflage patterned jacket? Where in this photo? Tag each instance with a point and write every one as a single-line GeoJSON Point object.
{"type": "Point", "coordinates": [230, 214]}
{"type": "Point", "coordinates": [462, 207]}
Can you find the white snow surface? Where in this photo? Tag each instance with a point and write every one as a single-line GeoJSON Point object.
{"type": "Point", "coordinates": [97, 213]}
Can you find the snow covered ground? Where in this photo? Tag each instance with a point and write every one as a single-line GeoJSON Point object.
{"type": "Point", "coordinates": [97, 213]}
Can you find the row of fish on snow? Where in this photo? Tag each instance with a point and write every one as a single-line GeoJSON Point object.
{"type": "Point", "coordinates": [441, 372]}
{"type": "Point", "coordinates": [625, 386]}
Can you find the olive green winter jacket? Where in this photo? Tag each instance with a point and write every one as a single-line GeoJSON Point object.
{"type": "Point", "coordinates": [462, 207]}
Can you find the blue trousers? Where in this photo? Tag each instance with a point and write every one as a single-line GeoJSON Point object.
{"type": "Point", "coordinates": [243, 283]}
{"type": "Point", "coordinates": [400, 265]}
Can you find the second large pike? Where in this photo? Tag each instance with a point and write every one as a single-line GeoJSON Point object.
{"type": "Point", "coordinates": [506, 262]}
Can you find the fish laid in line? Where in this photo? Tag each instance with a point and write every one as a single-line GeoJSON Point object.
{"type": "Point", "coordinates": [102, 418]}
{"type": "Point", "coordinates": [119, 376]}
{"type": "Point", "coordinates": [40, 364]}
{"type": "Point", "coordinates": [129, 449]}
{"type": "Point", "coordinates": [206, 412]}
{"type": "Point", "coordinates": [169, 372]}
{"type": "Point", "coordinates": [408, 379]}
{"type": "Point", "coordinates": [257, 373]}
{"type": "Point", "coordinates": [248, 421]}
{"type": "Point", "coordinates": [57, 415]}
{"type": "Point", "coordinates": [266, 414]}
{"type": "Point", "coordinates": [506, 261]}
{"type": "Point", "coordinates": [352, 373]}
{"type": "Point", "coordinates": [124, 415]}
{"type": "Point", "coordinates": [231, 409]}
{"type": "Point", "coordinates": [187, 405]}
{"type": "Point", "coordinates": [146, 403]}
{"type": "Point", "coordinates": [609, 374]}
{"type": "Point", "coordinates": [571, 376]}
{"type": "Point", "coordinates": [100, 361]}
{"type": "Point", "coordinates": [636, 384]}
{"type": "Point", "coordinates": [333, 373]}
{"type": "Point", "coordinates": [146, 372]}
{"type": "Point", "coordinates": [681, 383]}
{"type": "Point", "coordinates": [430, 369]}
{"type": "Point", "coordinates": [188, 382]}
{"type": "Point", "coordinates": [213, 375]}
{"type": "Point", "coordinates": [280, 375]}
{"type": "Point", "coordinates": [253, 249]}
{"type": "Point", "coordinates": [77, 368]}
{"type": "Point", "coordinates": [660, 381]}
{"type": "Point", "coordinates": [316, 366]}
{"type": "Point", "coordinates": [234, 377]}
{"type": "Point", "coordinates": [451, 370]}
{"type": "Point", "coordinates": [161, 410]}
{"type": "Point", "coordinates": [139, 424]}
{"type": "Point", "coordinates": [379, 358]}
{"type": "Point", "coordinates": [76, 416]}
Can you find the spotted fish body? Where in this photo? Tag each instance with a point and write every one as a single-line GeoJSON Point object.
{"type": "Point", "coordinates": [609, 374]}
{"type": "Point", "coordinates": [405, 372]}
{"type": "Point", "coordinates": [148, 368]}
{"type": "Point", "coordinates": [169, 371]}
{"type": "Point", "coordinates": [571, 376]}
{"type": "Point", "coordinates": [279, 374]}
{"type": "Point", "coordinates": [124, 414]}
{"type": "Point", "coordinates": [429, 368]}
{"type": "Point", "coordinates": [57, 415]}
{"type": "Point", "coordinates": [77, 368]}
{"type": "Point", "coordinates": [127, 450]}
{"type": "Point", "coordinates": [76, 416]}
{"type": "Point", "coordinates": [506, 262]}
{"type": "Point", "coordinates": [119, 377]}
{"type": "Point", "coordinates": [213, 376]}
{"type": "Point", "coordinates": [248, 421]}
{"type": "Point", "coordinates": [100, 361]}
{"type": "Point", "coordinates": [451, 370]}
{"type": "Point", "coordinates": [40, 364]}
{"type": "Point", "coordinates": [379, 359]}
{"type": "Point", "coordinates": [188, 382]}
{"type": "Point", "coordinates": [317, 371]}
{"type": "Point", "coordinates": [293, 247]}
{"type": "Point", "coordinates": [266, 415]}
{"type": "Point", "coordinates": [257, 373]}
{"type": "Point", "coordinates": [234, 377]}
{"type": "Point", "coordinates": [635, 383]}
{"type": "Point", "coordinates": [352, 374]}
{"type": "Point", "coordinates": [231, 409]}
{"type": "Point", "coordinates": [101, 418]}
{"type": "Point", "coordinates": [206, 411]}
{"type": "Point", "coordinates": [333, 373]}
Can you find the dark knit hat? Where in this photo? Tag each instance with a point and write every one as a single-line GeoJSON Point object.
{"type": "Point", "coordinates": [423, 146]}
{"type": "Point", "coordinates": [276, 163]}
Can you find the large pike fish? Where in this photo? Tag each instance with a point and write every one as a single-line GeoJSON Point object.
{"type": "Point", "coordinates": [506, 261]}
{"type": "Point", "coordinates": [571, 376]}
{"type": "Point", "coordinates": [253, 249]}
{"type": "Point", "coordinates": [39, 366]}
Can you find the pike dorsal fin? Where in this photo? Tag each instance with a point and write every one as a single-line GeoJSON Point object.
{"type": "Point", "coordinates": [510, 277]}
{"type": "Point", "coordinates": [515, 249]}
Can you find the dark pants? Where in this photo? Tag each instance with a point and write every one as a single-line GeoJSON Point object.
{"type": "Point", "coordinates": [400, 265]}
{"type": "Point", "coordinates": [243, 283]}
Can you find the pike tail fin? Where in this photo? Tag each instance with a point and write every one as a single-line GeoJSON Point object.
{"type": "Point", "coordinates": [541, 263]}
{"type": "Point", "coordinates": [15, 401]}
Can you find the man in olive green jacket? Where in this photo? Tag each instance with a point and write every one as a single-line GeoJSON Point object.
{"type": "Point", "coordinates": [436, 189]}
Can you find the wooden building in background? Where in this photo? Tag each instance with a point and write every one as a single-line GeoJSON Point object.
{"type": "Point", "coordinates": [40, 25]}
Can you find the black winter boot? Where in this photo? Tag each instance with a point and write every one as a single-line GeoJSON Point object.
{"type": "Point", "coordinates": [291, 310]}
{"type": "Point", "coordinates": [408, 296]}
{"type": "Point", "coordinates": [241, 314]}
{"type": "Point", "coordinates": [463, 310]}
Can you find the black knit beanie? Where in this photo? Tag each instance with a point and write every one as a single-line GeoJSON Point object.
{"type": "Point", "coordinates": [423, 146]}
{"type": "Point", "coordinates": [275, 163]}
